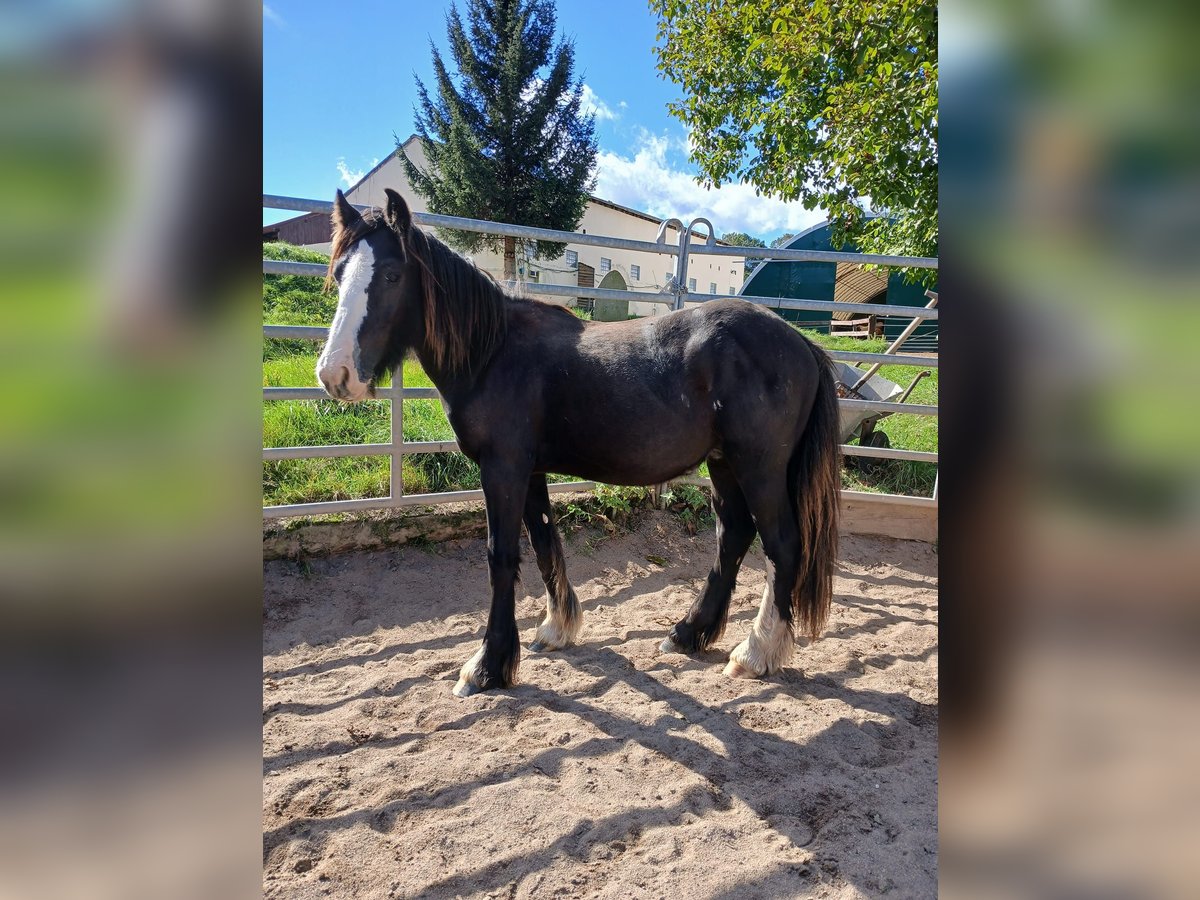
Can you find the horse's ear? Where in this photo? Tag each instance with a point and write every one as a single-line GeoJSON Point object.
{"type": "Point", "coordinates": [397, 214]}
{"type": "Point", "coordinates": [344, 214]}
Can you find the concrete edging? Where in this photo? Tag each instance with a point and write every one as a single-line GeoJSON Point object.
{"type": "Point", "coordinates": [304, 537]}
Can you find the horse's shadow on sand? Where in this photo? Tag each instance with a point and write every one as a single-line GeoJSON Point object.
{"type": "Point", "coordinates": [748, 771]}
{"type": "Point", "coordinates": [765, 759]}
{"type": "Point", "coordinates": [392, 602]}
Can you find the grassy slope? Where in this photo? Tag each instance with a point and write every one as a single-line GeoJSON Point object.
{"type": "Point", "coordinates": [295, 300]}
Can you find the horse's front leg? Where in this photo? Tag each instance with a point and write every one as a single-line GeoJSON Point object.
{"type": "Point", "coordinates": [495, 663]}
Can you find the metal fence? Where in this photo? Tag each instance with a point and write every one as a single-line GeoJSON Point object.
{"type": "Point", "coordinates": [675, 296]}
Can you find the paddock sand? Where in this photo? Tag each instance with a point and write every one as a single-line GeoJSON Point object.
{"type": "Point", "coordinates": [612, 770]}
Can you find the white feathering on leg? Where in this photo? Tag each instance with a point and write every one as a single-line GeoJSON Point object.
{"type": "Point", "coordinates": [769, 646]}
{"type": "Point", "coordinates": [558, 630]}
{"type": "Point", "coordinates": [468, 676]}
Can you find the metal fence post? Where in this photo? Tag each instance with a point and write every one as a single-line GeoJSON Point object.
{"type": "Point", "coordinates": [681, 267]}
{"type": "Point", "coordinates": [685, 248]}
{"type": "Point", "coordinates": [396, 477]}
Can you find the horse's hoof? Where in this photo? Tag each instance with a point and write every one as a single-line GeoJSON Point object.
{"type": "Point", "coordinates": [539, 646]}
{"type": "Point", "coordinates": [464, 688]}
{"type": "Point", "coordinates": [669, 646]}
{"type": "Point", "coordinates": [734, 669]}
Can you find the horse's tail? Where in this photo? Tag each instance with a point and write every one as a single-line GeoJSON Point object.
{"type": "Point", "coordinates": [815, 481]}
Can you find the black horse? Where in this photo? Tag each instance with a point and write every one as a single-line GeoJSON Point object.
{"type": "Point", "coordinates": [529, 388]}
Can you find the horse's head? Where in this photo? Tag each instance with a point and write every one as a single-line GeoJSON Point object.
{"type": "Point", "coordinates": [379, 297]}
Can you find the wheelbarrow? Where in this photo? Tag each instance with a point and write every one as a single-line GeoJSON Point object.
{"type": "Point", "coordinates": [860, 422]}
{"type": "Point", "coordinates": [855, 384]}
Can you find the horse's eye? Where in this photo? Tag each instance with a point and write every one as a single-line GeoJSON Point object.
{"type": "Point", "coordinates": [391, 277]}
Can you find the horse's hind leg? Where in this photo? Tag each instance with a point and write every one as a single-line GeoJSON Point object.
{"type": "Point", "coordinates": [705, 620]}
{"type": "Point", "coordinates": [770, 644]}
{"type": "Point", "coordinates": [564, 617]}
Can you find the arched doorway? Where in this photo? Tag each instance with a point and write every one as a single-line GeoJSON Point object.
{"type": "Point", "coordinates": [611, 310]}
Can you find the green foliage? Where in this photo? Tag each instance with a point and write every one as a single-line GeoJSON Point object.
{"type": "Point", "coordinates": [741, 239]}
{"type": "Point", "coordinates": [824, 101]}
{"type": "Point", "coordinates": [692, 506]}
{"type": "Point", "coordinates": [509, 141]}
{"type": "Point", "coordinates": [291, 253]}
{"type": "Point", "coordinates": [585, 314]}
{"type": "Point", "coordinates": [610, 505]}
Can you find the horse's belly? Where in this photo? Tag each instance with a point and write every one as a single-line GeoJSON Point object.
{"type": "Point", "coordinates": [623, 456]}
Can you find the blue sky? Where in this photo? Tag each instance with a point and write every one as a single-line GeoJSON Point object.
{"type": "Point", "coordinates": [338, 82]}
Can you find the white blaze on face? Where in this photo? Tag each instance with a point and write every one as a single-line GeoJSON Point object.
{"type": "Point", "coordinates": [338, 366]}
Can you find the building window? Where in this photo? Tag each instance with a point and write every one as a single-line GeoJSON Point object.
{"type": "Point", "coordinates": [691, 284]}
{"type": "Point", "coordinates": [572, 259]}
{"type": "Point", "coordinates": [635, 272]}
{"type": "Point", "coordinates": [605, 264]}
{"type": "Point", "coordinates": [732, 291]}
{"type": "Point", "coordinates": [535, 276]}
{"type": "Point", "coordinates": [712, 287]}
{"type": "Point", "coordinates": [733, 273]}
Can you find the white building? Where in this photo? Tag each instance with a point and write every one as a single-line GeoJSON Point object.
{"type": "Point", "coordinates": [581, 265]}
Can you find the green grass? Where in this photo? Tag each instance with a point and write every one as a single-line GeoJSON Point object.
{"type": "Point", "coordinates": [307, 423]}
{"type": "Point", "coordinates": [299, 300]}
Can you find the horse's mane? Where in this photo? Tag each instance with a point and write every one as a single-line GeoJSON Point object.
{"type": "Point", "coordinates": [464, 308]}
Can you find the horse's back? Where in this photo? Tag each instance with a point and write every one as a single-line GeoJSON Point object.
{"type": "Point", "coordinates": [642, 401]}
{"type": "Point", "coordinates": [719, 352]}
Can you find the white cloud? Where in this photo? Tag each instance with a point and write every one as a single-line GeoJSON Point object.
{"type": "Point", "coordinates": [352, 176]}
{"type": "Point", "coordinates": [652, 182]}
{"type": "Point", "coordinates": [593, 104]}
{"type": "Point", "coordinates": [271, 16]}
{"type": "Point", "coordinates": [623, 105]}
{"type": "Point", "coordinates": [590, 103]}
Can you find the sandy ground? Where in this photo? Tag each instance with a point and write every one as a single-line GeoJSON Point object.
{"type": "Point", "coordinates": [612, 770]}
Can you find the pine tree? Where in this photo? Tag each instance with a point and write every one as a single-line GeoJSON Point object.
{"type": "Point", "coordinates": [509, 142]}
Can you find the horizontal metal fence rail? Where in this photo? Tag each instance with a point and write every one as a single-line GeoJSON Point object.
{"type": "Point", "coordinates": [319, 333]}
{"type": "Point", "coordinates": [382, 393]}
{"type": "Point", "coordinates": [868, 496]}
{"type": "Point", "coordinates": [889, 453]}
{"type": "Point", "coordinates": [271, 201]}
{"type": "Point", "coordinates": [289, 267]}
{"type": "Point", "coordinates": [399, 448]}
{"type": "Point", "coordinates": [895, 359]}
{"type": "Point", "coordinates": [344, 506]}
{"type": "Point", "coordinates": [834, 256]}
{"type": "Point", "coordinates": [333, 451]}
{"type": "Point", "coordinates": [283, 267]}
{"type": "Point", "coordinates": [568, 290]}
{"type": "Point", "coordinates": [274, 201]}
{"type": "Point", "coordinates": [866, 309]}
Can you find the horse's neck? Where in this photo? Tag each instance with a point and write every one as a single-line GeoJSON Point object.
{"type": "Point", "coordinates": [453, 385]}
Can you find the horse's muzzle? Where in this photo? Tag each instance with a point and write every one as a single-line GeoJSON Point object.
{"type": "Point", "coordinates": [335, 380]}
{"type": "Point", "coordinates": [339, 382]}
